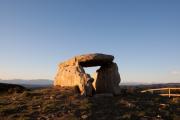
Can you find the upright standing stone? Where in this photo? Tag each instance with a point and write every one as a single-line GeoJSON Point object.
{"type": "Point", "coordinates": [108, 79]}
{"type": "Point", "coordinates": [71, 76]}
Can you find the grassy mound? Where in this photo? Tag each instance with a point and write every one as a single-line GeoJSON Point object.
{"type": "Point", "coordinates": [11, 88]}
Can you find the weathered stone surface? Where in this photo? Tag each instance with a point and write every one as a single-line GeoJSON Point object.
{"type": "Point", "coordinates": [71, 76]}
{"type": "Point", "coordinates": [71, 73]}
{"type": "Point", "coordinates": [89, 60]}
{"type": "Point", "coordinates": [108, 79]}
{"type": "Point", "coordinates": [94, 76]}
{"type": "Point", "coordinates": [89, 89]}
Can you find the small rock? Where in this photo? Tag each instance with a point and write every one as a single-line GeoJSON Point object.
{"type": "Point", "coordinates": [84, 116]}
{"type": "Point", "coordinates": [51, 97]}
{"type": "Point", "coordinates": [162, 106]}
{"type": "Point", "coordinates": [14, 98]}
{"type": "Point", "coordinates": [158, 116]}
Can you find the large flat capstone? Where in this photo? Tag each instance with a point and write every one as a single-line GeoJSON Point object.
{"type": "Point", "coordinates": [89, 60]}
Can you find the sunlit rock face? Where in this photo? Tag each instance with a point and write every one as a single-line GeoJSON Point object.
{"type": "Point", "coordinates": [71, 73]}
{"type": "Point", "coordinates": [70, 76]}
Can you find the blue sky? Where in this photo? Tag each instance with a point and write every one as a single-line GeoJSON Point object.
{"type": "Point", "coordinates": [144, 36]}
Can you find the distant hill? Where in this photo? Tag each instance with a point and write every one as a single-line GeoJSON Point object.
{"type": "Point", "coordinates": [29, 83]}
{"type": "Point", "coordinates": [133, 83]}
{"type": "Point", "coordinates": [149, 84]}
{"type": "Point", "coordinates": [162, 85]}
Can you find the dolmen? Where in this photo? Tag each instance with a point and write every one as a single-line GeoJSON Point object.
{"type": "Point", "coordinates": [71, 73]}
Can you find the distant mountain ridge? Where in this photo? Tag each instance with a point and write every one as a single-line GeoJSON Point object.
{"type": "Point", "coordinates": [28, 82]}
{"type": "Point", "coordinates": [133, 83]}
{"type": "Point", "coordinates": [48, 82]}
{"type": "Point", "coordinates": [141, 83]}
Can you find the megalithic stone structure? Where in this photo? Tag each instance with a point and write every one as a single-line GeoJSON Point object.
{"type": "Point", "coordinates": [71, 73]}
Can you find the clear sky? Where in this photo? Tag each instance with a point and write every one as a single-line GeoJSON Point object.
{"type": "Point", "coordinates": [143, 35]}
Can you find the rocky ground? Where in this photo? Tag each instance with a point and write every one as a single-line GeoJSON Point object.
{"type": "Point", "coordinates": [65, 104]}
